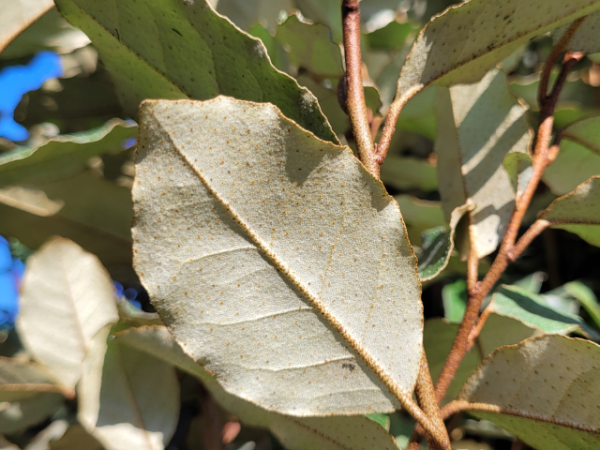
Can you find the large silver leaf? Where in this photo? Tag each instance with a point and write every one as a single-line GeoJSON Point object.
{"type": "Point", "coordinates": [67, 299]}
{"type": "Point", "coordinates": [543, 390]}
{"type": "Point", "coordinates": [478, 124]}
{"type": "Point", "coordinates": [295, 433]}
{"type": "Point", "coordinates": [275, 259]}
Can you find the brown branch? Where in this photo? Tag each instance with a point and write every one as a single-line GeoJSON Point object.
{"type": "Point", "coordinates": [425, 393]}
{"type": "Point", "coordinates": [454, 407]}
{"type": "Point", "coordinates": [543, 155]}
{"type": "Point", "coordinates": [559, 48]}
{"type": "Point", "coordinates": [355, 99]}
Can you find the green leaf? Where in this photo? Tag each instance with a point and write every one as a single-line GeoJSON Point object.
{"type": "Point", "coordinates": [574, 165]}
{"type": "Point", "coordinates": [257, 210]}
{"type": "Point", "coordinates": [542, 391]}
{"type": "Point", "coordinates": [578, 212]}
{"type": "Point", "coordinates": [532, 311]}
{"type": "Point", "coordinates": [20, 380]}
{"type": "Point", "coordinates": [586, 297]}
{"type": "Point", "coordinates": [373, 99]}
{"type": "Point", "coordinates": [381, 419]}
{"type": "Point", "coordinates": [409, 173]}
{"type": "Point", "coordinates": [279, 57]}
{"type": "Point", "coordinates": [63, 155]}
{"type": "Point", "coordinates": [462, 44]}
{"type": "Point", "coordinates": [391, 37]}
{"type": "Point", "coordinates": [401, 427]}
{"type": "Point", "coordinates": [438, 336]}
{"type": "Point", "coordinates": [327, 12]}
{"type": "Point", "coordinates": [419, 216]}
{"type": "Point", "coordinates": [247, 13]}
{"type": "Point", "coordinates": [67, 298]}
{"type": "Point", "coordinates": [514, 315]}
{"type": "Point", "coordinates": [310, 47]}
{"type": "Point", "coordinates": [295, 433]}
{"type": "Point", "coordinates": [454, 297]}
{"type": "Point", "coordinates": [18, 15]}
{"type": "Point", "coordinates": [437, 247]}
{"type": "Point", "coordinates": [126, 398]}
{"type": "Point", "coordinates": [519, 169]}
{"type": "Point", "coordinates": [188, 52]}
{"type": "Point", "coordinates": [477, 125]}
{"type": "Point", "coordinates": [328, 100]}
{"type": "Point", "coordinates": [578, 159]}
{"type": "Point", "coordinates": [93, 212]}
{"type": "Point", "coordinates": [532, 283]}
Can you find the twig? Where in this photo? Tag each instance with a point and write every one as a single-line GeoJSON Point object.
{"type": "Point", "coordinates": [557, 50]}
{"type": "Point", "coordinates": [472, 266]}
{"type": "Point", "coordinates": [454, 407]}
{"type": "Point", "coordinates": [355, 99]}
{"type": "Point", "coordinates": [426, 398]}
{"type": "Point", "coordinates": [391, 119]}
{"type": "Point", "coordinates": [543, 155]}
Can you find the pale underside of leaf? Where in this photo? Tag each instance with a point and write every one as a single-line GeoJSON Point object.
{"type": "Point", "coordinates": [464, 42]}
{"type": "Point", "coordinates": [67, 298]}
{"type": "Point", "coordinates": [478, 124]}
{"type": "Point", "coordinates": [18, 15]}
{"type": "Point", "coordinates": [295, 433]}
{"type": "Point", "coordinates": [147, 46]}
{"type": "Point", "coordinates": [549, 402]}
{"type": "Point", "coordinates": [285, 268]}
{"type": "Point", "coordinates": [578, 212]}
{"type": "Point", "coordinates": [20, 380]}
{"type": "Point", "coordinates": [127, 400]}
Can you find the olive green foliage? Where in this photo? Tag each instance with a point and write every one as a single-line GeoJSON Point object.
{"type": "Point", "coordinates": [198, 154]}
